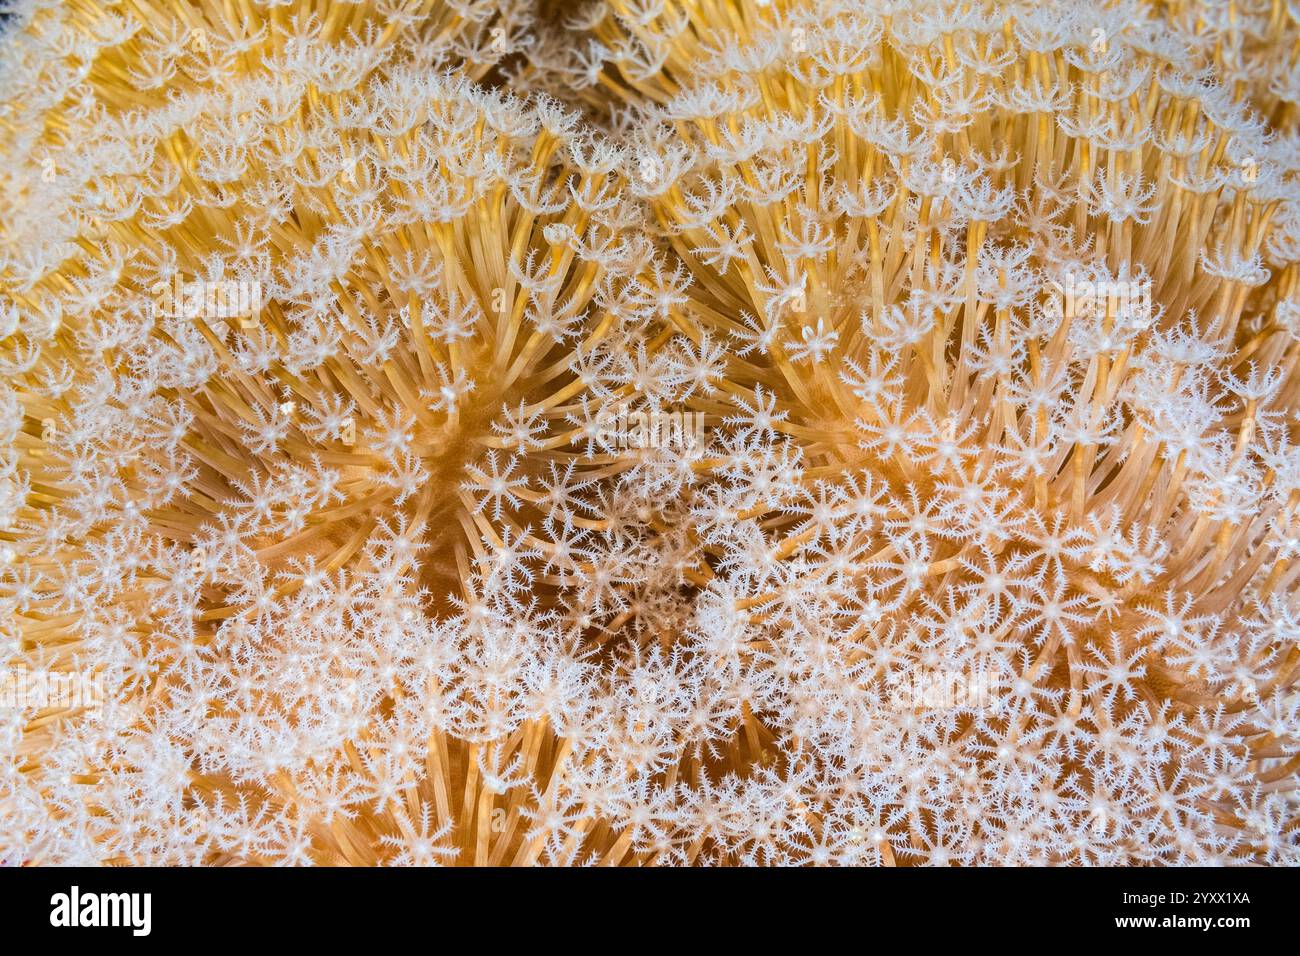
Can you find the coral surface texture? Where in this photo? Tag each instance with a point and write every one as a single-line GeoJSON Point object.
{"type": "Point", "coordinates": [650, 432]}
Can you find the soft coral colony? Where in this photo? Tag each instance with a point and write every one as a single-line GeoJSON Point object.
{"type": "Point", "coordinates": [972, 567]}
{"type": "Point", "coordinates": [246, 528]}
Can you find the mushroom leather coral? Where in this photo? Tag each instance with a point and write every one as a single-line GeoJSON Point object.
{"type": "Point", "coordinates": [987, 553]}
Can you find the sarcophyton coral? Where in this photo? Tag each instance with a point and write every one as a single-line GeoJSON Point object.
{"type": "Point", "coordinates": [350, 411]}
